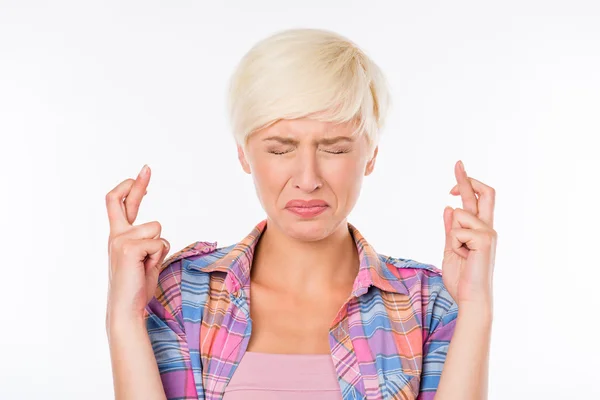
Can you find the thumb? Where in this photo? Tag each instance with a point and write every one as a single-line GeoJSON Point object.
{"type": "Point", "coordinates": [152, 268]}
{"type": "Point", "coordinates": [448, 213]}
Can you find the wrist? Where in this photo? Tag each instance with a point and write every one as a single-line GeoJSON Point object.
{"type": "Point", "coordinates": [482, 312]}
{"type": "Point", "coordinates": [118, 327]}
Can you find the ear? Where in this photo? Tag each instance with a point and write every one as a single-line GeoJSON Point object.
{"type": "Point", "coordinates": [371, 162]}
{"type": "Point", "coordinates": [243, 161]}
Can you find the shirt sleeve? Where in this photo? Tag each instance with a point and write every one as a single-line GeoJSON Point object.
{"type": "Point", "coordinates": [164, 324]}
{"type": "Point", "coordinates": [440, 313]}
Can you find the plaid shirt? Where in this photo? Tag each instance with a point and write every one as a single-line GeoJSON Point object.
{"type": "Point", "coordinates": [389, 342]}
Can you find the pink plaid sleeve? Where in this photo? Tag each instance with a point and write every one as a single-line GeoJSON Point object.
{"type": "Point", "coordinates": [439, 320]}
{"type": "Point", "coordinates": [164, 323]}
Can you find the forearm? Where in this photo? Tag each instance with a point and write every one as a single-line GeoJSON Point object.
{"type": "Point", "coordinates": [465, 371]}
{"type": "Point", "coordinates": [135, 371]}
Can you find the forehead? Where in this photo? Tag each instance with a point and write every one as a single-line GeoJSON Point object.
{"type": "Point", "coordinates": [308, 128]}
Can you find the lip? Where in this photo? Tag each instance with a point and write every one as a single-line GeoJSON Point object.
{"type": "Point", "coordinates": [307, 209]}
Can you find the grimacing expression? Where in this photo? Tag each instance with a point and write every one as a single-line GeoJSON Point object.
{"type": "Point", "coordinates": [306, 159]}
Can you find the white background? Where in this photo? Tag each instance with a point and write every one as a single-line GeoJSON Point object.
{"type": "Point", "coordinates": [91, 91]}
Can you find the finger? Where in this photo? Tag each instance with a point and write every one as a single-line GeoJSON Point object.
{"type": "Point", "coordinates": [448, 218]}
{"type": "Point", "coordinates": [154, 258]}
{"type": "Point", "coordinates": [161, 258]}
{"type": "Point", "coordinates": [167, 247]}
{"type": "Point", "coordinates": [134, 198]}
{"type": "Point", "coordinates": [139, 250]}
{"type": "Point", "coordinates": [456, 247]}
{"type": "Point", "coordinates": [153, 269]}
{"type": "Point", "coordinates": [469, 200]}
{"type": "Point", "coordinates": [486, 200]}
{"type": "Point", "coordinates": [464, 219]}
{"type": "Point", "coordinates": [132, 253]}
{"type": "Point", "coordinates": [472, 239]}
{"type": "Point", "coordinates": [448, 211]}
{"type": "Point", "coordinates": [148, 230]}
{"type": "Point", "coordinates": [114, 207]}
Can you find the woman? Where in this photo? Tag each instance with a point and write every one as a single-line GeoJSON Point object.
{"type": "Point", "coordinates": [303, 307]}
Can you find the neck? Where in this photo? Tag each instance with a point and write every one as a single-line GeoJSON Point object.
{"type": "Point", "coordinates": [302, 267]}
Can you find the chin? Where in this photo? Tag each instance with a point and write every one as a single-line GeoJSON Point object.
{"type": "Point", "coordinates": [308, 229]}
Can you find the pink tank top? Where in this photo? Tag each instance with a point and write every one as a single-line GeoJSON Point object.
{"type": "Point", "coordinates": [284, 376]}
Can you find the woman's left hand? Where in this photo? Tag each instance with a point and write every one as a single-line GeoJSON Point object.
{"type": "Point", "coordinates": [470, 250]}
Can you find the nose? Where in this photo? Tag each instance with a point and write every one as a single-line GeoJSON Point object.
{"type": "Point", "coordinates": [307, 177]}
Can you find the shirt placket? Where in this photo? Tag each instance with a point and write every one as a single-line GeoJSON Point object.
{"type": "Point", "coordinates": [344, 357]}
{"type": "Point", "coordinates": [241, 324]}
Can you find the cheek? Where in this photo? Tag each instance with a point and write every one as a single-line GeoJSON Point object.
{"type": "Point", "coordinates": [268, 177]}
{"type": "Point", "coordinates": [345, 177]}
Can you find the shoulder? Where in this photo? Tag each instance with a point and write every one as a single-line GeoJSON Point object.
{"type": "Point", "coordinates": [199, 256]}
{"type": "Point", "coordinates": [171, 274]}
{"type": "Point", "coordinates": [412, 272]}
{"type": "Point", "coordinates": [172, 268]}
{"type": "Point", "coordinates": [425, 282]}
{"type": "Point", "coordinates": [189, 254]}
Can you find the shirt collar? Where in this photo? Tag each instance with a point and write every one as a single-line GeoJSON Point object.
{"type": "Point", "coordinates": [373, 270]}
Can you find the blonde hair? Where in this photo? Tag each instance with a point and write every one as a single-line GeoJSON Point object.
{"type": "Point", "coordinates": [307, 72]}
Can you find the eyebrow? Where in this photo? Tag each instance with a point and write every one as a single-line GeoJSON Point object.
{"type": "Point", "coordinates": [326, 141]}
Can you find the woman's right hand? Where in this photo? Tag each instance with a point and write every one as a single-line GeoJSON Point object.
{"type": "Point", "coordinates": [135, 253]}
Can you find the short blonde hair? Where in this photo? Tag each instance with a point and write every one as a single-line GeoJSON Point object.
{"type": "Point", "coordinates": [302, 72]}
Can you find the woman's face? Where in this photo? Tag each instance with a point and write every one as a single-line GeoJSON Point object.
{"type": "Point", "coordinates": [308, 174]}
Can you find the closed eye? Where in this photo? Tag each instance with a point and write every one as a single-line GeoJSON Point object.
{"type": "Point", "coordinates": [278, 152]}
{"type": "Point", "coordinates": [341, 151]}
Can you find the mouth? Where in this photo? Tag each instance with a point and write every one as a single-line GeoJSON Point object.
{"type": "Point", "coordinates": [307, 209]}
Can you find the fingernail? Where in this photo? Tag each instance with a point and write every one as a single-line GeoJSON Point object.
{"type": "Point", "coordinates": [461, 166]}
{"type": "Point", "coordinates": [144, 170]}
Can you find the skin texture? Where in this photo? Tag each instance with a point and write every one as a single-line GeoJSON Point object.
{"type": "Point", "coordinates": [309, 166]}
{"type": "Point", "coordinates": [299, 259]}
{"type": "Point", "coordinates": [468, 267]}
{"type": "Point", "coordinates": [135, 255]}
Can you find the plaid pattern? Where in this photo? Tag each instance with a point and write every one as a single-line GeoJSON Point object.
{"type": "Point", "coordinates": [390, 342]}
